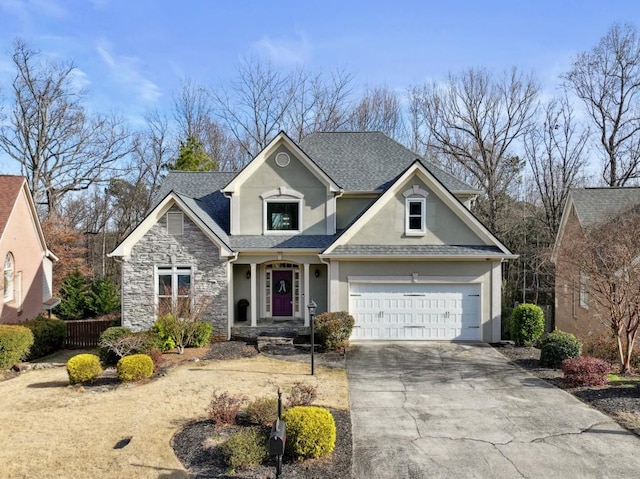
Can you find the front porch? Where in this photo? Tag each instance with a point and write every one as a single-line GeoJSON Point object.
{"type": "Point", "coordinates": [288, 328]}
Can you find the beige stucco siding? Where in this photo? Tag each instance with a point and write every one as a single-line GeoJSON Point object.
{"type": "Point", "coordinates": [475, 272]}
{"type": "Point", "coordinates": [295, 176]}
{"type": "Point", "coordinates": [443, 226]}
{"type": "Point", "coordinates": [348, 209]}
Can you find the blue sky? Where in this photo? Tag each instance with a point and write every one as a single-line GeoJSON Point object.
{"type": "Point", "coordinates": [132, 55]}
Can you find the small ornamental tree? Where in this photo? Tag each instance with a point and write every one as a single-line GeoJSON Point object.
{"type": "Point", "coordinates": [527, 324]}
{"type": "Point", "coordinates": [73, 295]}
{"type": "Point", "coordinates": [103, 297]}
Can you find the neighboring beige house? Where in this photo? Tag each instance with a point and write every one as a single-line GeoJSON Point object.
{"type": "Point", "coordinates": [27, 263]}
{"type": "Point", "coordinates": [575, 311]}
{"type": "Point", "coordinates": [352, 220]}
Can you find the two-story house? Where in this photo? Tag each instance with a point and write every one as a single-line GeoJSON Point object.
{"type": "Point", "coordinates": [352, 220]}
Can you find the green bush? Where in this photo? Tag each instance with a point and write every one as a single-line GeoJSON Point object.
{"type": "Point", "coordinates": [311, 432]}
{"type": "Point", "coordinates": [333, 329]}
{"type": "Point", "coordinates": [15, 342]}
{"type": "Point", "coordinates": [48, 336]}
{"type": "Point", "coordinates": [527, 324]}
{"type": "Point", "coordinates": [557, 347]}
{"type": "Point", "coordinates": [83, 368]}
{"type": "Point", "coordinates": [245, 449]}
{"type": "Point", "coordinates": [107, 356]}
{"type": "Point", "coordinates": [135, 367]}
{"type": "Point", "coordinates": [73, 295]}
{"type": "Point", "coordinates": [162, 329]}
{"type": "Point", "coordinates": [263, 411]}
{"type": "Point", "coordinates": [103, 297]}
{"type": "Point", "coordinates": [201, 334]}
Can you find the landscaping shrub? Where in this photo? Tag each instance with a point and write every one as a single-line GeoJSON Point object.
{"type": "Point", "coordinates": [302, 394]}
{"type": "Point", "coordinates": [585, 371]}
{"type": "Point", "coordinates": [527, 324]}
{"type": "Point", "coordinates": [135, 367]}
{"type": "Point", "coordinates": [605, 346]}
{"type": "Point", "coordinates": [162, 329]}
{"type": "Point", "coordinates": [224, 408]}
{"type": "Point", "coordinates": [557, 347]}
{"type": "Point", "coordinates": [83, 368]}
{"type": "Point", "coordinates": [201, 334]}
{"type": "Point", "coordinates": [333, 329]}
{"type": "Point", "coordinates": [107, 338]}
{"type": "Point", "coordinates": [311, 432]}
{"type": "Point", "coordinates": [263, 411]}
{"type": "Point", "coordinates": [103, 297]}
{"type": "Point", "coordinates": [48, 336]}
{"type": "Point", "coordinates": [73, 295]}
{"type": "Point", "coordinates": [15, 342]}
{"type": "Point", "coordinates": [245, 449]}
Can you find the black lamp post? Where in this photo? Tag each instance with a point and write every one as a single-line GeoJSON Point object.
{"type": "Point", "coordinates": [312, 309]}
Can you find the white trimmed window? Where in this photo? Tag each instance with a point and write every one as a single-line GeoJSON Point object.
{"type": "Point", "coordinates": [584, 291]}
{"type": "Point", "coordinates": [175, 223]}
{"type": "Point", "coordinates": [9, 275]}
{"type": "Point", "coordinates": [282, 211]}
{"type": "Point", "coordinates": [415, 207]}
{"type": "Point", "coordinates": [174, 290]}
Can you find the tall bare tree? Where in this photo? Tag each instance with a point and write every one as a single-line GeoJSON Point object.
{"type": "Point", "coordinates": [556, 151]}
{"type": "Point", "coordinates": [607, 80]}
{"type": "Point", "coordinates": [379, 109]}
{"type": "Point", "coordinates": [60, 147]}
{"type": "Point", "coordinates": [475, 119]}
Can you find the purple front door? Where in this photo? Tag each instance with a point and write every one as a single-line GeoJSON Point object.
{"type": "Point", "coordinates": [281, 297]}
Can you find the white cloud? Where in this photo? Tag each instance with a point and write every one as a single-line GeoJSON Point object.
{"type": "Point", "coordinates": [285, 51]}
{"type": "Point", "coordinates": [125, 70]}
{"type": "Point", "coordinates": [24, 9]}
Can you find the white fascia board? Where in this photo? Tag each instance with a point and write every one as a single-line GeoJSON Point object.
{"type": "Point", "coordinates": [445, 195]}
{"type": "Point", "coordinates": [125, 247]}
{"type": "Point", "coordinates": [281, 137]}
{"type": "Point", "coordinates": [448, 257]}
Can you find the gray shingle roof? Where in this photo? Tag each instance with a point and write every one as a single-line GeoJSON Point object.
{"type": "Point", "coordinates": [594, 205]}
{"type": "Point", "coordinates": [368, 161]}
{"type": "Point", "coordinates": [319, 242]}
{"type": "Point", "coordinates": [416, 250]}
{"type": "Point", "coordinates": [203, 211]}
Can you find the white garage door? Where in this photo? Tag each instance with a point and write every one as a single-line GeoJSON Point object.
{"type": "Point", "coordinates": [415, 311]}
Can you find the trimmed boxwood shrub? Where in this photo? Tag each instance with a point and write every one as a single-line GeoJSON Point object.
{"type": "Point", "coordinates": [333, 329]}
{"type": "Point", "coordinates": [557, 347]}
{"type": "Point", "coordinates": [135, 367]}
{"type": "Point", "coordinates": [585, 371]}
{"type": "Point", "coordinates": [527, 324]}
{"type": "Point", "coordinates": [83, 368]}
{"type": "Point", "coordinates": [48, 336]}
{"type": "Point", "coordinates": [201, 335]}
{"type": "Point", "coordinates": [311, 432]}
{"type": "Point", "coordinates": [114, 332]}
{"type": "Point", "coordinates": [245, 449]}
{"type": "Point", "coordinates": [15, 342]}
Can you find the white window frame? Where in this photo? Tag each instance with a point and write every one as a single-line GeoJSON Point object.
{"type": "Point", "coordinates": [265, 218]}
{"type": "Point", "coordinates": [174, 271]}
{"type": "Point", "coordinates": [415, 194]}
{"type": "Point", "coordinates": [178, 220]}
{"type": "Point", "coordinates": [9, 270]}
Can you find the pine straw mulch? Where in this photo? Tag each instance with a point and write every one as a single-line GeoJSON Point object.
{"type": "Point", "coordinates": [620, 401]}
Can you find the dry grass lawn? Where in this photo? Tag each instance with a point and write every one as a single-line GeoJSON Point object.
{"type": "Point", "coordinates": [52, 430]}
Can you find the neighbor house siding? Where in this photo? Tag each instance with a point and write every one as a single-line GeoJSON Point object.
{"type": "Point", "coordinates": [158, 248]}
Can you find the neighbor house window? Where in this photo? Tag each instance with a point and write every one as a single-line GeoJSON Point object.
{"type": "Point", "coordinates": [282, 215]}
{"type": "Point", "coordinates": [174, 290]}
{"type": "Point", "coordinates": [415, 207]}
{"type": "Point", "coordinates": [9, 269]}
{"type": "Point", "coordinates": [175, 223]}
{"type": "Point", "coordinates": [584, 291]}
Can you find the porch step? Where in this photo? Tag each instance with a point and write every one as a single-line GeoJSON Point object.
{"type": "Point", "coordinates": [273, 341]}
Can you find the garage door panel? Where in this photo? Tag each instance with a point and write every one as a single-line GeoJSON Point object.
{"type": "Point", "coordinates": [416, 311]}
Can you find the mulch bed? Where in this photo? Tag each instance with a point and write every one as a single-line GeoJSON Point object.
{"type": "Point", "coordinates": [619, 401]}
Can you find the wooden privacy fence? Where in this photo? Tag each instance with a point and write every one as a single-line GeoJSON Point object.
{"type": "Point", "coordinates": [85, 333]}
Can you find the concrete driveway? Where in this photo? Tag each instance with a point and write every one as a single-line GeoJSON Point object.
{"type": "Point", "coordinates": [452, 410]}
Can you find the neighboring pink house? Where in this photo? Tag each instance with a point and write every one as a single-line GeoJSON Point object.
{"type": "Point", "coordinates": [26, 282]}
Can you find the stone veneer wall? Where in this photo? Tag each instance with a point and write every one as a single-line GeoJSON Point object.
{"type": "Point", "coordinates": [159, 248]}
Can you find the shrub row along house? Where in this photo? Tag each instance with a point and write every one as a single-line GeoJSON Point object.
{"type": "Point", "coordinates": [352, 220]}
{"type": "Point", "coordinates": [26, 282]}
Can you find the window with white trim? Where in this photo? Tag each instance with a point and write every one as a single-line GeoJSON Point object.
{"type": "Point", "coordinates": [584, 291]}
{"type": "Point", "coordinates": [415, 211]}
{"type": "Point", "coordinates": [174, 290]}
{"type": "Point", "coordinates": [9, 270]}
{"type": "Point", "coordinates": [175, 223]}
{"type": "Point", "coordinates": [282, 215]}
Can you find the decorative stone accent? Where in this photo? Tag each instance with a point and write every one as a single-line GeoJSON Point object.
{"type": "Point", "coordinates": [159, 248]}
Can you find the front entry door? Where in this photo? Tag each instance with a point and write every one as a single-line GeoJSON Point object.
{"type": "Point", "coordinates": [282, 297]}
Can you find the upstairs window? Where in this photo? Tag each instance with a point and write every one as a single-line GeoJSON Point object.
{"type": "Point", "coordinates": [283, 215]}
{"type": "Point", "coordinates": [9, 268]}
{"type": "Point", "coordinates": [415, 211]}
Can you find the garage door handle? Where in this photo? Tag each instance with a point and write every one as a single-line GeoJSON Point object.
{"type": "Point", "coordinates": [413, 327]}
{"type": "Point", "coordinates": [414, 295]}
{"type": "Point", "coordinates": [473, 327]}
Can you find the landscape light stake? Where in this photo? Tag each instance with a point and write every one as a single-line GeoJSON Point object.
{"type": "Point", "coordinates": [312, 309]}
